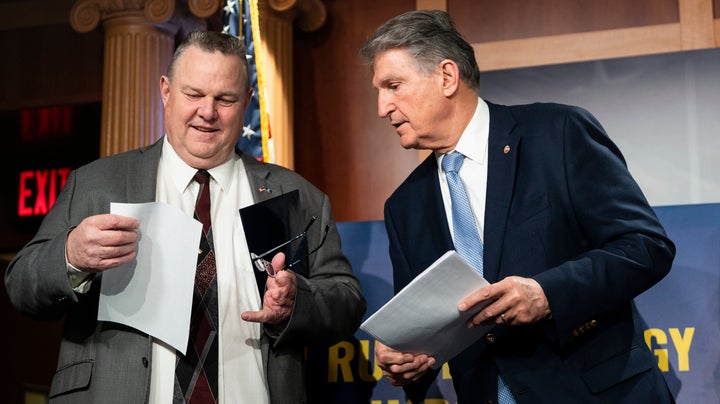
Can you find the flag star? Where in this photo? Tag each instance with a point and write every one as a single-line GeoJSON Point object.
{"type": "Point", "coordinates": [248, 132]}
{"type": "Point", "coordinates": [230, 6]}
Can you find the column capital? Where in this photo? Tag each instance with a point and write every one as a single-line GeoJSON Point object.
{"type": "Point", "coordinates": [310, 15]}
{"type": "Point", "coordinates": [85, 15]}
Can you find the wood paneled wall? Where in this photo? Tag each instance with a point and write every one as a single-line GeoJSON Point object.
{"type": "Point", "coordinates": [344, 148]}
{"type": "Point", "coordinates": [340, 143]}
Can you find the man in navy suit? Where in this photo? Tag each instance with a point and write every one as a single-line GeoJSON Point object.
{"type": "Point", "coordinates": [569, 239]}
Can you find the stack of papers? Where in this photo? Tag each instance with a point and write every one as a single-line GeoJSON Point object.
{"type": "Point", "coordinates": [423, 317]}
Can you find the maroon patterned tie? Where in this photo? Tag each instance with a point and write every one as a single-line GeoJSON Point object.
{"type": "Point", "coordinates": [196, 372]}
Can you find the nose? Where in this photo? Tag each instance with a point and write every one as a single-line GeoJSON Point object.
{"type": "Point", "coordinates": [207, 109]}
{"type": "Point", "coordinates": [385, 104]}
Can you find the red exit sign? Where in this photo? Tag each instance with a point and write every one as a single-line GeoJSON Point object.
{"type": "Point", "coordinates": [38, 190]}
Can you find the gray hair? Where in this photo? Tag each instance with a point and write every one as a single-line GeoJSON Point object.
{"type": "Point", "coordinates": [429, 36]}
{"type": "Point", "coordinates": [212, 41]}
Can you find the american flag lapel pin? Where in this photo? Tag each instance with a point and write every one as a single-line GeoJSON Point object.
{"type": "Point", "coordinates": [264, 189]}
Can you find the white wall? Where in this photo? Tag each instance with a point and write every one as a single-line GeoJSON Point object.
{"type": "Point", "coordinates": [663, 111]}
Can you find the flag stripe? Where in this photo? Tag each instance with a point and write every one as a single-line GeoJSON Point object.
{"type": "Point", "coordinates": [251, 6]}
{"type": "Point", "coordinates": [255, 139]}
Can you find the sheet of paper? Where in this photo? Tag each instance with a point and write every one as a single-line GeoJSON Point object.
{"type": "Point", "coordinates": [154, 292]}
{"type": "Point", "coordinates": [423, 317]}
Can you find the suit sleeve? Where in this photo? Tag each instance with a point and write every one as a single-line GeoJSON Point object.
{"type": "Point", "coordinates": [329, 304]}
{"type": "Point", "coordinates": [36, 279]}
{"type": "Point", "coordinates": [627, 249]}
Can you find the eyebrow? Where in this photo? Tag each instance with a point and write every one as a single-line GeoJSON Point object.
{"type": "Point", "coordinates": [387, 79]}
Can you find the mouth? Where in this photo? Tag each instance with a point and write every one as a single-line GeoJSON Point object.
{"type": "Point", "coordinates": [204, 129]}
{"type": "Point", "coordinates": [397, 124]}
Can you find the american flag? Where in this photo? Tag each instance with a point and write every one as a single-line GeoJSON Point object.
{"type": "Point", "coordinates": [255, 140]}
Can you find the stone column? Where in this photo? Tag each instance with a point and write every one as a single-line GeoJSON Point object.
{"type": "Point", "coordinates": [139, 42]}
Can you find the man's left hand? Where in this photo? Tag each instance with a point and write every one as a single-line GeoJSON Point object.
{"type": "Point", "coordinates": [279, 295]}
{"type": "Point", "coordinates": [514, 300]}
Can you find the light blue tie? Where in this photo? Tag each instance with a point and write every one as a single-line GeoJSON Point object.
{"type": "Point", "coordinates": [467, 240]}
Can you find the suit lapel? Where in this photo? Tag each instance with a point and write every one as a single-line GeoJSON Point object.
{"type": "Point", "coordinates": [502, 162]}
{"type": "Point", "coordinates": [429, 245]}
{"type": "Point", "coordinates": [142, 181]}
{"type": "Point", "coordinates": [263, 186]}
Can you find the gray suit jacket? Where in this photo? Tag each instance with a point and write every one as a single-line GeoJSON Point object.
{"type": "Point", "coordinates": [102, 362]}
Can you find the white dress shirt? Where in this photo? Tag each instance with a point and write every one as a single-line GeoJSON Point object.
{"type": "Point", "coordinates": [473, 144]}
{"type": "Point", "coordinates": [241, 376]}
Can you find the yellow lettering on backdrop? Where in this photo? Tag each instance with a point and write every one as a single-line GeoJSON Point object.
{"type": "Point", "coordinates": [681, 343]}
{"type": "Point", "coordinates": [335, 361]}
{"type": "Point", "coordinates": [365, 364]}
{"type": "Point", "coordinates": [341, 355]}
{"type": "Point", "coordinates": [445, 374]}
{"type": "Point", "coordinates": [659, 336]}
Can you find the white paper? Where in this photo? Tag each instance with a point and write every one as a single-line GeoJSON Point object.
{"type": "Point", "coordinates": [154, 292]}
{"type": "Point", "coordinates": [423, 317]}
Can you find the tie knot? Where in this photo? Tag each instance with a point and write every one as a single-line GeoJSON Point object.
{"type": "Point", "coordinates": [452, 162]}
{"type": "Point", "coordinates": [202, 177]}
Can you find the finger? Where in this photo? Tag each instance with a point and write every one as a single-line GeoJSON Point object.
{"type": "Point", "coordinates": [489, 315]}
{"type": "Point", "coordinates": [400, 375]}
{"type": "Point", "coordinates": [115, 222]}
{"type": "Point", "coordinates": [259, 316]}
{"type": "Point", "coordinates": [482, 295]}
{"type": "Point", "coordinates": [278, 262]}
{"type": "Point", "coordinates": [386, 356]}
{"type": "Point", "coordinates": [501, 319]}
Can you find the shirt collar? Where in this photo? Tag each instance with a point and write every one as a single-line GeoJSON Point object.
{"type": "Point", "coordinates": [222, 174]}
{"type": "Point", "coordinates": [474, 139]}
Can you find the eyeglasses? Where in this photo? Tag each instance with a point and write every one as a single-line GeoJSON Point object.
{"type": "Point", "coordinates": [263, 265]}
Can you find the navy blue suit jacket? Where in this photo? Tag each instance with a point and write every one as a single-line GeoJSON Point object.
{"type": "Point", "coordinates": [563, 209]}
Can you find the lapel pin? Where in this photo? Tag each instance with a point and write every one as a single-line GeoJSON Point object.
{"type": "Point", "coordinates": [506, 150]}
{"type": "Point", "coordinates": [263, 189]}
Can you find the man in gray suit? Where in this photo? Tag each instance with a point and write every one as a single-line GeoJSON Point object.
{"type": "Point", "coordinates": [260, 334]}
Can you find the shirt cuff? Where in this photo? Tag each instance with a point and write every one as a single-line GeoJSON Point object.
{"type": "Point", "coordinates": [79, 280]}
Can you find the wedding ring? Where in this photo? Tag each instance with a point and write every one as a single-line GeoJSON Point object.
{"type": "Point", "coordinates": [502, 318]}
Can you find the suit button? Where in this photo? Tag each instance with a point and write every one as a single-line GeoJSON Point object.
{"type": "Point", "coordinates": [490, 338]}
{"type": "Point", "coordinates": [145, 361]}
{"type": "Point", "coordinates": [593, 323]}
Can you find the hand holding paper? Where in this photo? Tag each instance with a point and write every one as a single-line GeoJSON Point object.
{"type": "Point", "coordinates": [423, 317]}
{"type": "Point", "coordinates": [154, 292]}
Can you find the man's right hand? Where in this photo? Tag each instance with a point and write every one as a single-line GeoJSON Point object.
{"type": "Point", "coordinates": [401, 368]}
{"type": "Point", "coordinates": [102, 242]}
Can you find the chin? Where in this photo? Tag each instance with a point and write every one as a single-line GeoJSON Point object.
{"type": "Point", "coordinates": [407, 142]}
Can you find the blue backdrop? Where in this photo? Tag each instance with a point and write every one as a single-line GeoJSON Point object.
{"type": "Point", "coordinates": [681, 313]}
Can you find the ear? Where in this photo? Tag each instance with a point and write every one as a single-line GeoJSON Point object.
{"type": "Point", "coordinates": [164, 89]}
{"type": "Point", "coordinates": [249, 98]}
{"type": "Point", "coordinates": [450, 77]}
